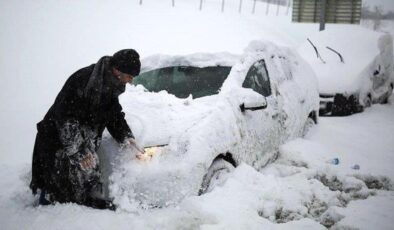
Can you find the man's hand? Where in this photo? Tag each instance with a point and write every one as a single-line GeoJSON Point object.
{"type": "Point", "coordinates": [89, 161]}
{"type": "Point", "coordinates": [140, 156]}
{"type": "Point", "coordinates": [134, 144]}
{"type": "Point", "coordinates": [141, 153]}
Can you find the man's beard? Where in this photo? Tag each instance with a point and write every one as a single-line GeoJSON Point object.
{"type": "Point", "coordinates": [118, 86]}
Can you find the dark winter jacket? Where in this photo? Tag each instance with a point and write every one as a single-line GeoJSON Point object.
{"type": "Point", "coordinates": [87, 104]}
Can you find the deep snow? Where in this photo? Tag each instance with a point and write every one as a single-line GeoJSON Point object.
{"type": "Point", "coordinates": [43, 42]}
{"type": "Point", "coordinates": [198, 130]}
{"type": "Point", "coordinates": [300, 190]}
{"type": "Point", "coordinates": [363, 52]}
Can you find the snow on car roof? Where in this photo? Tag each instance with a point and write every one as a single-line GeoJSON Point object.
{"type": "Point", "coordinates": [360, 49]}
{"type": "Point", "coordinates": [196, 59]}
{"type": "Point", "coordinates": [289, 64]}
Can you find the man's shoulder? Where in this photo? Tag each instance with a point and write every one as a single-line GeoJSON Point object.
{"type": "Point", "coordinates": [84, 72]}
{"type": "Point", "coordinates": [78, 79]}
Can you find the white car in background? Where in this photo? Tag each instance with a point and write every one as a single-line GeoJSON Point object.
{"type": "Point", "coordinates": [355, 68]}
{"type": "Point", "coordinates": [208, 113]}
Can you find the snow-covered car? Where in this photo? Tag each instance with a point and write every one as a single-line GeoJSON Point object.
{"type": "Point", "coordinates": [209, 113]}
{"type": "Point", "coordinates": [354, 68]}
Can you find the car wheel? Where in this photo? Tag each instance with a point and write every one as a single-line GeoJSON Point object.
{"type": "Point", "coordinates": [368, 101]}
{"type": "Point", "coordinates": [309, 123]}
{"type": "Point", "coordinates": [216, 175]}
{"type": "Point", "coordinates": [386, 99]}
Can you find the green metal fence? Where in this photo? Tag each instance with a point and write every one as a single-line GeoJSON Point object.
{"type": "Point", "coordinates": [336, 11]}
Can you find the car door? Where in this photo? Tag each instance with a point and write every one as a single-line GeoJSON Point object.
{"type": "Point", "coordinates": [262, 124]}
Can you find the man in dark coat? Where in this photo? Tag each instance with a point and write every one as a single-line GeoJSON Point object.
{"type": "Point", "coordinates": [65, 163]}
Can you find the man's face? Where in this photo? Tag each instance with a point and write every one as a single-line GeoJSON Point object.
{"type": "Point", "coordinates": [123, 77]}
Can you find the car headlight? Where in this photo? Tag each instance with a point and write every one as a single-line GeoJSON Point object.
{"type": "Point", "coordinates": [151, 152]}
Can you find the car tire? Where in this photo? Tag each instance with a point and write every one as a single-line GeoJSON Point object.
{"type": "Point", "coordinates": [368, 101]}
{"type": "Point", "coordinates": [386, 99]}
{"type": "Point", "coordinates": [309, 123]}
{"type": "Point", "coordinates": [216, 175]}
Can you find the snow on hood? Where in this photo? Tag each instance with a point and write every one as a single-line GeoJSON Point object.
{"type": "Point", "coordinates": [360, 49]}
{"type": "Point", "coordinates": [157, 117]}
{"type": "Point", "coordinates": [161, 118]}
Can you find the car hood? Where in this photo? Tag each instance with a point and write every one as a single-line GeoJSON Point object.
{"type": "Point", "coordinates": [155, 118]}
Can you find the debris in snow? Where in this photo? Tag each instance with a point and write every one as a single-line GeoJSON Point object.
{"type": "Point", "coordinates": [334, 161]}
{"type": "Point", "coordinates": [356, 167]}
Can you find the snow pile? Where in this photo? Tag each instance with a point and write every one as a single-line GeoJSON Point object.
{"type": "Point", "coordinates": [198, 60]}
{"type": "Point", "coordinates": [199, 130]}
{"type": "Point", "coordinates": [43, 42]}
{"type": "Point", "coordinates": [387, 26]}
{"type": "Point", "coordinates": [363, 51]}
{"type": "Point", "coordinates": [304, 185]}
{"type": "Point", "coordinates": [364, 139]}
{"type": "Point", "coordinates": [301, 190]}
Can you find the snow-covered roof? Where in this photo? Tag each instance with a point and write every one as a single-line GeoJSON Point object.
{"type": "Point", "coordinates": [196, 59]}
{"type": "Point", "coordinates": [359, 47]}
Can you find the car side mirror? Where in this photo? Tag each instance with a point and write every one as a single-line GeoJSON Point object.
{"type": "Point", "coordinates": [254, 105]}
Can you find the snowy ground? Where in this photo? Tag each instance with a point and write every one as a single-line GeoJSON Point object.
{"type": "Point", "coordinates": [43, 42]}
{"type": "Point", "coordinates": [301, 190]}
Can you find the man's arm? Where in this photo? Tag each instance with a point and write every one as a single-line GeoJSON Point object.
{"type": "Point", "coordinates": [117, 125]}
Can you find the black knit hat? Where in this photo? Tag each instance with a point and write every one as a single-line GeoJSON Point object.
{"type": "Point", "coordinates": [127, 61]}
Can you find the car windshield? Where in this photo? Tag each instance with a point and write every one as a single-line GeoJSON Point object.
{"type": "Point", "coordinates": [182, 81]}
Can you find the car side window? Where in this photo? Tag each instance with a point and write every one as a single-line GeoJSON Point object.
{"type": "Point", "coordinates": [257, 79]}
